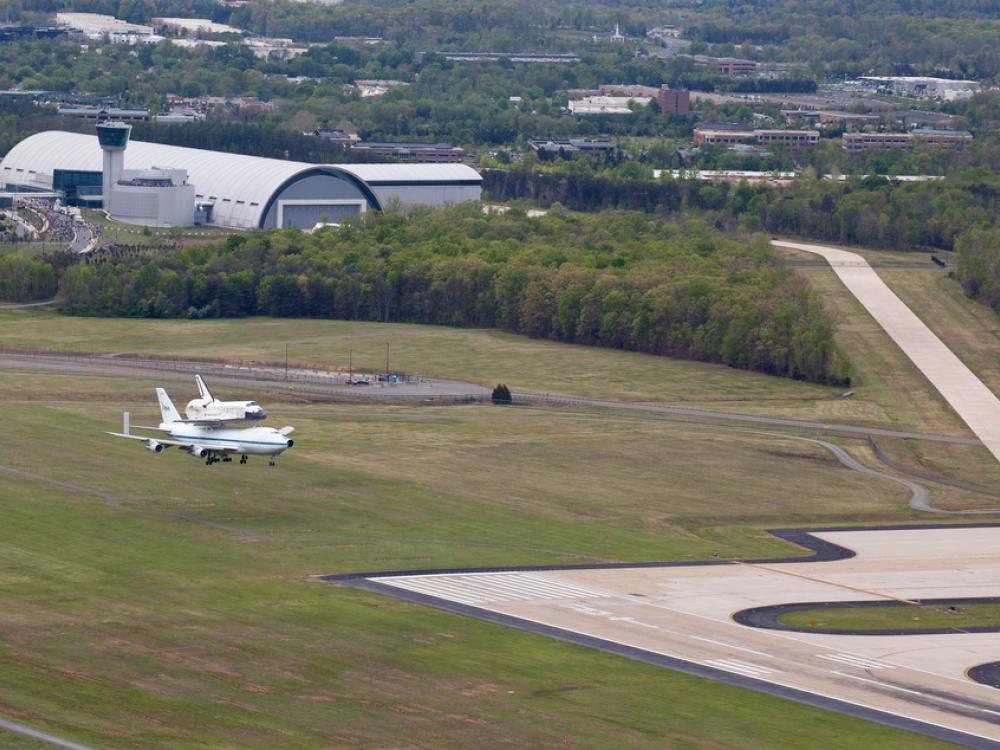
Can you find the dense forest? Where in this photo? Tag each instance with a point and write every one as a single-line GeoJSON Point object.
{"type": "Point", "coordinates": [618, 279]}
{"type": "Point", "coordinates": [870, 211]}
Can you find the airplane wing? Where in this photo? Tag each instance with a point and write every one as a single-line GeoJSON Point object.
{"type": "Point", "coordinates": [188, 444]}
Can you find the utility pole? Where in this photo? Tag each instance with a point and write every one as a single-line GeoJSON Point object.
{"type": "Point", "coordinates": [286, 363]}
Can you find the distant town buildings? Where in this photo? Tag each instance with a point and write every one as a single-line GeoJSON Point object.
{"type": "Point", "coordinates": [518, 57]}
{"type": "Point", "coordinates": [673, 101]}
{"type": "Point", "coordinates": [612, 37]}
{"type": "Point", "coordinates": [100, 114]}
{"type": "Point", "coordinates": [916, 118]}
{"type": "Point", "coordinates": [412, 151]}
{"type": "Point", "coordinates": [358, 41]}
{"type": "Point", "coordinates": [194, 26]}
{"type": "Point", "coordinates": [664, 32]}
{"type": "Point", "coordinates": [730, 66]}
{"type": "Point", "coordinates": [342, 137]}
{"type": "Point", "coordinates": [10, 33]}
{"type": "Point", "coordinates": [99, 27]}
{"type": "Point", "coordinates": [571, 146]}
{"type": "Point", "coordinates": [924, 87]}
{"type": "Point", "coordinates": [367, 88]}
{"type": "Point", "coordinates": [946, 139]}
{"type": "Point", "coordinates": [606, 105]}
{"type": "Point", "coordinates": [267, 48]}
{"type": "Point", "coordinates": [729, 134]}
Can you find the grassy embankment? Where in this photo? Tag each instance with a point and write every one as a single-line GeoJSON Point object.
{"type": "Point", "coordinates": [896, 618]}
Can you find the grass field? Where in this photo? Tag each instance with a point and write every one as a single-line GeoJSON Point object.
{"type": "Point", "coordinates": [127, 234]}
{"type": "Point", "coordinates": [894, 618]}
{"type": "Point", "coordinates": [169, 604]}
{"type": "Point", "coordinates": [132, 619]}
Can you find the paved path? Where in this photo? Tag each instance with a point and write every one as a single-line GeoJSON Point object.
{"type": "Point", "coordinates": [964, 392]}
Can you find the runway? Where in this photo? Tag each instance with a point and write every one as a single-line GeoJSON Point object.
{"type": "Point", "coordinates": [681, 616]}
{"type": "Point", "coordinates": [978, 407]}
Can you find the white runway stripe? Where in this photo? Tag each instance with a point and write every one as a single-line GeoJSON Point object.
{"type": "Point", "coordinates": [856, 661]}
{"type": "Point", "coordinates": [481, 588]}
{"type": "Point", "coordinates": [741, 667]}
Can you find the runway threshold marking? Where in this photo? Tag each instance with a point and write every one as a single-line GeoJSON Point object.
{"type": "Point", "coordinates": [742, 667]}
{"type": "Point", "coordinates": [730, 645]}
{"type": "Point", "coordinates": [816, 579]}
{"type": "Point", "coordinates": [856, 661]}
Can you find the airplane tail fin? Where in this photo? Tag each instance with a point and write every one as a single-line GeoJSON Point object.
{"type": "Point", "coordinates": [203, 389]}
{"type": "Point", "coordinates": [167, 409]}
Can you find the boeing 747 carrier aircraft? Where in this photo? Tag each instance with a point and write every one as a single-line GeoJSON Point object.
{"type": "Point", "coordinates": [208, 439]}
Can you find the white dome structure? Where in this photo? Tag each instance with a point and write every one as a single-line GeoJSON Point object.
{"type": "Point", "coordinates": [245, 192]}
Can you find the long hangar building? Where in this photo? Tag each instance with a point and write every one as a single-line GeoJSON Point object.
{"type": "Point", "coordinates": [174, 186]}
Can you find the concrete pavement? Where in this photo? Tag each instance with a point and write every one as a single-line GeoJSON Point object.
{"type": "Point", "coordinates": [965, 393]}
{"type": "Point", "coordinates": [681, 616]}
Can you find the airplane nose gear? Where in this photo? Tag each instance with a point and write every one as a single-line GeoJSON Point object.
{"type": "Point", "coordinates": [243, 459]}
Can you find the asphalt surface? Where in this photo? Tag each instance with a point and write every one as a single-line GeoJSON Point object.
{"type": "Point", "coordinates": [767, 617]}
{"type": "Point", "coordinates": [427, 390]}
{"type": "Point", "coordinates": [680, 615]}
{"type": "Point", "coordinates": [976, 404]}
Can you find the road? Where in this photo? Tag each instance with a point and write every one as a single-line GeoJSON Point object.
{"type": "Point", "coordinates": [978, 407]}
{"type": "Point", "coordinates": [428, 389]}
{"type": "Point", "coordinates": [680, 616]}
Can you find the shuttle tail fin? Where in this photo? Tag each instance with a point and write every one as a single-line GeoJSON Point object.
{"type": "Point", "coordinates": [203, 389]}
{"type": "Point", "coordinates": [167, 410]}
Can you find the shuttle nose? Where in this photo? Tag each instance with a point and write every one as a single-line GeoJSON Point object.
{"type": "Point", "coordinates": [256, 413]}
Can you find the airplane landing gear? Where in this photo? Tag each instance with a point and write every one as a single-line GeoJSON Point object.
{"type": "Point", "coordinates": [243, 459]}
{"type": "Point", "coordinates": [271, 462]}
{"type": "Point", "coordinates": [227, 459]}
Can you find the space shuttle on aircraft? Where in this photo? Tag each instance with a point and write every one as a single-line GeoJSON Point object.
{"type": "Point", "coordinates": [209, 411]}
{"type": "Point", "coordinates": [210, 439]}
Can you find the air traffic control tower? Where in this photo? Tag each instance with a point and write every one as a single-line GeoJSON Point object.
{"type": "Point", "coordinates": [113, 137]}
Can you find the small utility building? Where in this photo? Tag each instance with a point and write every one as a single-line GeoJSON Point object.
{"type": "Point", "coordinates": [232, 190]}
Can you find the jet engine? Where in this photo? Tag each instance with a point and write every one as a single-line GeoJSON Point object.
{"type": "Point", "coordinates": [154, 446]}
{"type": "Point", "coordinates": [197, 451]}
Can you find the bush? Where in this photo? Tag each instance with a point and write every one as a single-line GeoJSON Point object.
{"type": "Point", "coordinates": [501, 395]}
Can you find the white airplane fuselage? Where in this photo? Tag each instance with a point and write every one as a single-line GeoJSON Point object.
{"type": "Point", "coordinates": [249, 441]}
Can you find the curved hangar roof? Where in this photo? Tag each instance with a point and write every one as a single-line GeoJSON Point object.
{"type": "Point", "coordinates": [242, 188]}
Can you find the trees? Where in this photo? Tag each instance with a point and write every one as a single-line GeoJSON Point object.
{"type": "Point", "coordinates": [26, 279]}
{"type": "Point", "coordinates": [617, 279]}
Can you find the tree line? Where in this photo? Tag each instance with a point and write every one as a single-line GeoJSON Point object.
{"type": "Point", "coordinates": [871, 211]}
{"type": "Point", "coordinates": [619, 279]}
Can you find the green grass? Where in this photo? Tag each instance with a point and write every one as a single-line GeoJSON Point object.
{"type": "Point", "coordinates": [895, 618]}
{"type": "Point", "coordinates": [477, 355]}
{"type": "Point", "coordinates": [130, 624]}
{"type": "Point", "coordinates": [141, 623]}
{"type": "Point", "coordinates": [128, 234]}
